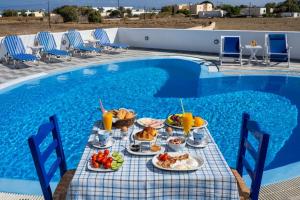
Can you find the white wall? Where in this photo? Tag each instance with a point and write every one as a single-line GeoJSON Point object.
{"type": "Point", "coordinates": [195, 40]}
{"type": "Point", "coordinates": [28, 40]}
{"type": "Point", "coordinates": [173, 39]}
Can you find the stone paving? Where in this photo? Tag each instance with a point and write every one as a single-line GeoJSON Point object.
{"type": "Point", "coordinates": [8, 72]}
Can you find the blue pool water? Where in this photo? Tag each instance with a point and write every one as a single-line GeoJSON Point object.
{"type": "Point", "coordinates": [151, 87]}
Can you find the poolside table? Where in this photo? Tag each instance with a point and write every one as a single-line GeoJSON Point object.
{"type": "Point", "coordinates": [253, 51]}
{"type": "Point", "coordinates": [139, 179]}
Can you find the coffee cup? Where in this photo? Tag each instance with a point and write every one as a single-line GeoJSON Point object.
{"type": "Point", "coordinates": [198, 135]}
{"type": "Point", "coordinates": [103, 137]}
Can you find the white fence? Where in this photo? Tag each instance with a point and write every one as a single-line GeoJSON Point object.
{"type": "Point", "coordinates": [196, 40]}
{"type": "Point", "coordinates": [205, 41]}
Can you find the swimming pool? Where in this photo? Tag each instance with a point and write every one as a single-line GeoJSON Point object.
{"type": "Point", "coordinates": [152, 87]}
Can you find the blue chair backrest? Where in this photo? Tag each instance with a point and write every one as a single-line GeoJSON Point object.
{"type": "Point", "coordinates": [278, 43]}
{"type": "Point", "coordinates": [75, 38]}
{"type": "Point", "coordinates": [259, 156]}
{"type": "Point", "coordinates": [14, 45]}
{"type": "Point", "coordinates": [40, 158]}
{"type": "Point", "coordinates": [46, 39]}
{"type": "Point", "coordinates": [101, 35]}
{"type": "Point", "coordinates": [232, 44]}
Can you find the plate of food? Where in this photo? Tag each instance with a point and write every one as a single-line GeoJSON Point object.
{"type": "Point", "coordinates": [177, 161]}
{"type": "Point", "coordinates": [148, 134]}
{"type": "Point", "coordinates": [175, 121]}
{"type": "Point", "coordinates": [105, 161]}
{"type": "Point", "coordinates": [139, 150]}
{"type": "Point", "coordinates": [151, 122]}
{"type": "Point", "coordinates": [123, 117]}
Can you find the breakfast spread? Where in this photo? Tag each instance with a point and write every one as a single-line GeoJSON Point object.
{"type": "Point", "coordinates": [177, 161]}
{"type": "Point", "coordinates": [122, 114]}
{"type": "Point", "coordinates": [147, 134]}
{"type": "Point", "coordinates": [106, 160]}
{"type": "Point", "coordinates": [145, 140]}
{"type": "Point", "coordinates": [177, 121]}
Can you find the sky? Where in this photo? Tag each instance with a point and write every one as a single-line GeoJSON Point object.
{"type": "Point", "coordinates": [40, 4]}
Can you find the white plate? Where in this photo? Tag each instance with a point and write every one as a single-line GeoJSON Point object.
{"type": "Point", "coordinates": [90, 167]}
{"type": "Point", "coordinates": [204, 142]}
{"type": "Point", "coordinates": [193, 128]}
{"type": "Point", "coordinates": [133, 137]}
{"type": "Point", "coordinates": [145, 153]}
{"type": "Point", "coordinates": [109, 143]}
{"type": "Point", "coordinates": [140, 122]}
{"type": "Point", "coordinates": [198, 159]}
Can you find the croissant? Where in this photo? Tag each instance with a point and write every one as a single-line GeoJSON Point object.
{"type": "Point", "coordinates": [121, 114]}
{"type": "Point", "coordinates": [129, 115]}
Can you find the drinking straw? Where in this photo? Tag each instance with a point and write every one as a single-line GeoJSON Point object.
{"type": "Point", "coordinates": [182, 106]}
{"type": "Point", "coordinates": [101, 107]}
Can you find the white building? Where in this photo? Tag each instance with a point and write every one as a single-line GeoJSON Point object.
{"type": "Point", "coordinates": [40, 13]}
{"type": "Point", "coordinates": [138, 11]}
{"type": "Point", "coordinates": [211, 14]}
{"type": "Point", "coordinates": [290, 14]}
{"type": "Point", "coordinates": [205, 6]}
{"type": "Point", "coordinates": [254, 11]}
{"type": "Point", "coordinates": [195, 8]}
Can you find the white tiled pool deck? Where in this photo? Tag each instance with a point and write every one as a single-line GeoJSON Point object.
{"type": "Point", "coordinates": [9, 73]}
{"type": "Point", "coordinates": [288, 190]}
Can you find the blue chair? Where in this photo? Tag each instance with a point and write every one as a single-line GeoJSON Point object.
{"type": "Point", "coordinates": [46, 39]}
{"type": "Point", "coordinates": [277, 48]}
{"type": "Point", "coordinates": [231, 47]}
{"type": "Point", "coordinates": [76, 43]}
{"type": "Point", "coordinates": [15, 50]}
{"type": "Point", "coordinates": [40, 159]}
{"type": "Point", "coordinates": [259, 157]}
{"type": "Point", "coordinates": [104, 41]}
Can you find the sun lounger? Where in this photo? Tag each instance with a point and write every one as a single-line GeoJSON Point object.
{"type": "Point", "coordinates": [77, 44]}
{"type": "Point", "coordinates": [46, 39]}
{"type": "Point", "coordinates": [104, 40]}
{"type": "Point", "coordinates": [15, 50]}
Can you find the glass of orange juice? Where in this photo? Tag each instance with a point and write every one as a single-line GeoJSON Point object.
{"type": "Point", "coordinates": [188, 122]}
{"type": "Point", "coordinates": [107, 121]}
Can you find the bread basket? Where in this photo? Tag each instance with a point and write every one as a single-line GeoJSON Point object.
{"type": "Point", "coordinates": [119, 123]}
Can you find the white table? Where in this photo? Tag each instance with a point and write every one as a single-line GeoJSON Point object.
{"type": "Point", "coordinates": [253, 50]}
{"type": "Point", "coordinates": [92, 42]}
{"type": "Point", "coordinates": [36, 50]}
{"type": "Point", "coordinates": [138, 179]}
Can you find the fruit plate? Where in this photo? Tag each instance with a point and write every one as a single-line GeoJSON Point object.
{"type": "Point", "coordinates": [118, 161]}
{"type": "Point", "coordinates": [91, 168]}
{"type": "Point", "coordinates": [145, 153]}
{"type": "Point", "coordinates": [193, 128]}
{"type": "Point", "coordinates": [146, 122]}
{"type": "Point", "coordinates": [138, 140]}
{"type": "Point", "coordinates": [194, 163]}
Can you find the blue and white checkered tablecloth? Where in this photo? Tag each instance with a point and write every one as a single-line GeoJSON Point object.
{"type": "Point", "coordinates": [139, 179]}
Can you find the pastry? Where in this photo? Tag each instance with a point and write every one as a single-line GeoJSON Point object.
{"type": "Point", "coordinates": [147, 134]}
